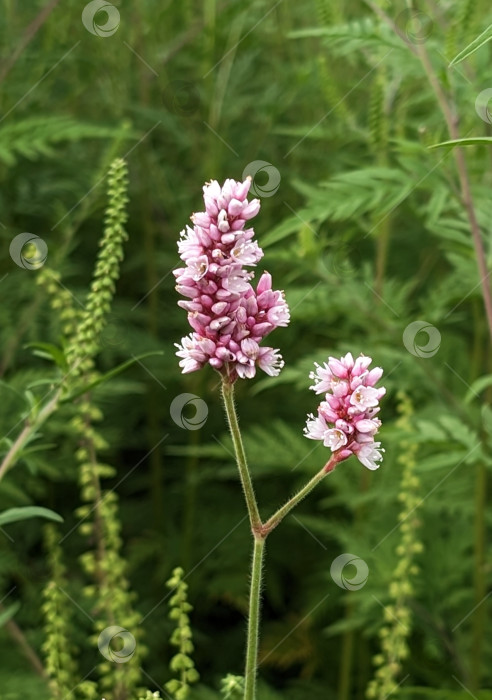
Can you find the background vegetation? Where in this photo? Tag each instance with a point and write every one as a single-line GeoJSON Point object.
{"type": "Point", "coordinates": [367, 232]}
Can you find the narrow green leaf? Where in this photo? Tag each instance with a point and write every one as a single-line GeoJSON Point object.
{"type": "Point", "coordinates": [473, 46]}
{"type": "Point", "coordinates": [9, 613]}
{"type": "Point", "coordinates": [283, 230]}
{"type": "Point", "coordinates": [49, 352]}
{"type": "Point", "coordinates": [109, 375]}
{"type": "Point", "coordinates": [474, 141]}
{"type": "Point", "coordinates": [39, 448]}
{"type": "Point", "coordinates": [13, 515]}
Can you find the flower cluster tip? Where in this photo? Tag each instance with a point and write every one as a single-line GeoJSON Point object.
{"type": "Point", "coordinates": [346, 420]}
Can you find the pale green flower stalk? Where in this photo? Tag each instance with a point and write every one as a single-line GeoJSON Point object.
{"type": "Point", "coordinates": [81, 329]}
{"type": "Point", "coordinates": [61, 301]}
{"type": "Point", "coordinates": [109, 591]}
{"type": "Point", "coordinates": [396, 631]}
{"type": "Point", "coordinates": [58, 651]}
{"type": "Point", "coordinates": [182, 663]}
{"type": "Point", "coordinates": [86, 340]}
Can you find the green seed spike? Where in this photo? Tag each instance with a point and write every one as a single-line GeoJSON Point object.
{"type": "Point", "coordinates": [85, 343]}
{"type": "Point", "coordinates": [181, 664]}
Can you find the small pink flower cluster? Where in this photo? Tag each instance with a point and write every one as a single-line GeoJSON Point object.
{"type": "Point", "coordinates": [346, 418]}
{"type": "Point", "coordinates": [229, 318]}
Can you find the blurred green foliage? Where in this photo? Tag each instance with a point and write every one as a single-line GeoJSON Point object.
{"type": "Point", "coordinates": [367, 233]}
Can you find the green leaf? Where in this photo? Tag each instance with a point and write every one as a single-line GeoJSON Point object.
{"type": "Point", "coordinates": [109, 375]}
{"type": "Point", "coordinates": [9, 613]}
{"type": "Point", "coordinates": [439, 461]}
{"type": "Point", "coordinates": [283, 230]}
{"type": "Point", "coordinates": [476, 44]}
{"type": "Point", "coordinates": [13, 515]}
{"type": "Point", "coordinates": [430, 432]}
{"type": "Point", "coordinates": [49, 352]}
{"type": "Point", "coordinates": [38, 136]}
{"type": "Point", "coordinates": [473, 141]}
{"type": "Point", "coordinates": [458, 430]}
{"type": "Point", "coordinates": [478, 385]}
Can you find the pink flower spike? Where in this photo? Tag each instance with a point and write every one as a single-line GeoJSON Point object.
{"type": "Point", "coordinates": [229, 318]}
{"type": "Point", "coordinates": [346, 422]}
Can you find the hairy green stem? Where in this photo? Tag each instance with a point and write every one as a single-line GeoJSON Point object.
{"type": "Point", "coordinates": [254, 619]}
{"type": "Point", "coordinates": [280, 514]}
{"type": "Point", "coordinates": [260, 532]}
{"type": "Point", "coordinates": [254, 516]}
